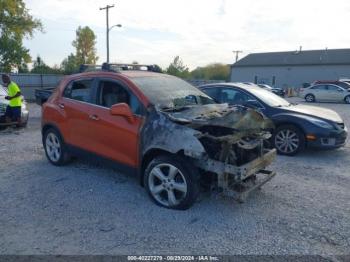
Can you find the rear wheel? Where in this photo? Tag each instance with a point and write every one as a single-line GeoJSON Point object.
{"type": "Point", "coordinates": [310, 98]}
{"type": "Point", "coordinates": [55, 148]}
{"type": "Point", "coordinates": [347, 99]}
{"type": "Point", "coordinates": [171, 182]}
{"type": "Point", "coordinates": [288, 140]}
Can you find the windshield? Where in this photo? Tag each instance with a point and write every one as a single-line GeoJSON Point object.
{"type": "Point", "coordinates": [168, 92]}
{"type": "Point", "coordinates": [3, 91]}
{"type": "Point", "coordinates": [269, 98]}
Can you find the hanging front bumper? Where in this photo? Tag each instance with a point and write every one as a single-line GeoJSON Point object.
{"type": "Point", "coordinates": [240, 181]}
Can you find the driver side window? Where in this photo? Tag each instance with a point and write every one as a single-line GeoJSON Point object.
{"type": "Point", "coordinates": [111, 93]}
{"type": "Point", "coordinates": [234, 96]}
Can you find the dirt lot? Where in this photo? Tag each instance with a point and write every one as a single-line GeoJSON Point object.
{"type": "Point", "coordinates": [86, 209]}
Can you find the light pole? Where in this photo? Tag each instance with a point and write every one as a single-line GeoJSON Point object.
{"type": "Point", "coordinates": [109, 29]}
{"type": "Point", "coordinates": [107, 26]}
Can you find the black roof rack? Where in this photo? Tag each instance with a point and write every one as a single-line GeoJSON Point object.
{"type": "Point", "coordinates": [118, 67]}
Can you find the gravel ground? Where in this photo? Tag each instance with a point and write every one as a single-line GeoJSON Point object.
{"type": "Point", "coordinates": [87, 209]}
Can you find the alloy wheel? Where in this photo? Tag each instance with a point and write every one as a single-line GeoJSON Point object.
{"type": "Point", "coordinates": [287, 141]}
{"type": "Point", "coordinates": [167, 184]}
{"type": "Point", "coordinates": [53, 147]}
{"type": "Point", "coordinates": [309, 98]}
{"type": "Point", "coordinates": [347, 99]}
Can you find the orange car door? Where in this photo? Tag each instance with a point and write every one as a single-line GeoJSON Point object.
{"type": "Point", "coordinates": [115, 137]}
{"type": "Point", "coordinates": [75, 105]}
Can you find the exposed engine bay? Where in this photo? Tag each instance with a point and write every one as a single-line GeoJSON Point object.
{"type": "Point", "coordinates": [234, 139]}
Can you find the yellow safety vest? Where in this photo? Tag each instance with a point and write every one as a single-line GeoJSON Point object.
{"type": "Point", "coordinates": [13, 89]}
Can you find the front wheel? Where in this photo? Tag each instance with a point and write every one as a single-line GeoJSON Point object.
{"type": "Point", "coordinates": [347, 99]}
{"type": "Point", "coordinates": [171, 182]}
{"type": "Point", "coordinates": [310, 98]}
{"type": "Point", "coordinates": [288, 140]}
{"type": "Point", "coordinates": [54, 146]}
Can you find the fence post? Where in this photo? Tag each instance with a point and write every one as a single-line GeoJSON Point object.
{"type": "Point", "coordinates": [41, 81]}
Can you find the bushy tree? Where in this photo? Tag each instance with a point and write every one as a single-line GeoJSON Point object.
{"type": "Point", "coordinates": [215, 71]}
{"type": "Point", "coordinates": [15, 24]}
{"type": "Point", "coordinates": [177, 68]}
{"type": "Point", "coordinates": [39, 67]}
{"type": "Point", "coordinates": [85, 50]}
{"type": "Point", "coordinates": [157, 68]}
{"type": "Point", "coordinates": [69, 65]}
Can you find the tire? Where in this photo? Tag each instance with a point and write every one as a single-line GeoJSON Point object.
{"type": "Point", "coordinates": [24, 124]}
{"type": "Point", "coordinates": [310, 98]}
{"type": "Point", "coordinates": [171, 182]}
{"type": "Point", "coordinates": [288, 140]}
{"type": "Point", "coordinates": [55, 149]}
{"type": "Point", "coordinates": [347, 99]}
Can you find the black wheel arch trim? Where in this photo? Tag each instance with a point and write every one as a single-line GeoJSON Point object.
{"type": "Point", "coordinates": [294, 120]}
{"type": "Point", "coordinates": [54, 126]}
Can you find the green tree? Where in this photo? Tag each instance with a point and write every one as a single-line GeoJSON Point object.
{"type": "Point", "coordinates": [23, 68]}
{"type": "Point", "coordinates": [215, 71]}
{"type": "Point", "coordinates": [177, 68]}
{"type": "Point", "coordinates": [69, 65]}
{"type": "Point", "coordinates": [85, 50]}
{"type": "Point", "coordinates": [39, 67]}
{"type": "Point", "coordinates": [157, 68]}
{"type": "Point", "coordinates": [15, 24]}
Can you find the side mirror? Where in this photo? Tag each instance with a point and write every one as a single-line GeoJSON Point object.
{"type": "Point", "coordinates": [124, 110]}
{"type": "Point", "coordinates": [252, 104]}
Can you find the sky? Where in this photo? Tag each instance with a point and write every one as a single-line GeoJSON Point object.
{"type": "Point", "coordinates": [199, 31]}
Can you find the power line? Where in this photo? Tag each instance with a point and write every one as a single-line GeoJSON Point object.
{"type": "Point", "coordinates": [237, 52]}
{"type": "Point", "coordinates": [107, 7]}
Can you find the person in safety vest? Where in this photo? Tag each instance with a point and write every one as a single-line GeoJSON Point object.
{"type": "Point", "coordinates": [13, 110]}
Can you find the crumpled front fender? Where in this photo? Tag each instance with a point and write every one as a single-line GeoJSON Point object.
{"type": "Point", "coordinates": [159, 132]}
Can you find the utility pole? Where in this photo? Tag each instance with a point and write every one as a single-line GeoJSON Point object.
{"type": "Point", "coordinates": [237, 52]}
{"type": "Point", "coordinates": [107, 29]}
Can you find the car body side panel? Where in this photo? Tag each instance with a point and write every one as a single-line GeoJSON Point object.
{"type": "Point", "coordinates": [161, 133]}
{"type": "Point", "coordinates": [115, 137]}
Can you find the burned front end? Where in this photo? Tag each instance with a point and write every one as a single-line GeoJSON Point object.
{"type": "Point", "coordinates": [228, 142]}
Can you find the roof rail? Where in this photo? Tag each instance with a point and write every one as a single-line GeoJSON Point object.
{"type": "Point", "coordinates": [118, 67]}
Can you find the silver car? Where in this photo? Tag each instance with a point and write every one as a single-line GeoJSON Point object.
{"type": "Point", "coordinates": [4, 103]}
{"type": "Point", "coordinates": [325, 93]}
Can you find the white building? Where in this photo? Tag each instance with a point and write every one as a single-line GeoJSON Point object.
{"type": "Point", "coordinates": [292, 69]}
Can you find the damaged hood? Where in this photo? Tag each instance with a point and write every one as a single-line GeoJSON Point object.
{"type": "Point", "coordinates": [313, 111]}
{"type": "Point", "coordinates": [221, 115]}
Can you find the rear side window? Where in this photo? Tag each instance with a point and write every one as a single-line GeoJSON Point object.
{"type": "Point", "coordinates": [79, 90]}
{"type": "Point", "coordinates": [319, 87]}
{"type": "Point", "coordinates": [334, 88]}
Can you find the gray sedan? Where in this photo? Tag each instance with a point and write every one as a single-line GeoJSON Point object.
{"type": "Point", "coordinates": [325, 93]}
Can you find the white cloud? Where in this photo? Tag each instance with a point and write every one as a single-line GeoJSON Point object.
{"type": "Point", "coordinates": [206, 30]}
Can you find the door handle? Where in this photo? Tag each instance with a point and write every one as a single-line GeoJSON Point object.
{"type": "Point", "coordinates": [94, 117]}
{"type": "Point", "coordinates": [61, 105]}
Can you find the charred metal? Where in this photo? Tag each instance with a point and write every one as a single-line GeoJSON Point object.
{"type": "Point", "coordinates": [229, 142]}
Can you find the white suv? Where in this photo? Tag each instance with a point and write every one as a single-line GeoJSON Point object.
{"type": "Point", "coordinates": [4, 103]}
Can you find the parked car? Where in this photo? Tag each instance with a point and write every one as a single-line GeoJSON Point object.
{"type": "Point", "coordinates": [326, 93]}
{"type": "Point", "coordinates": [3, 105]}
{"type": "Point", "coordinates": [43, 94]}
{"type": "Point", "coordinates": [297, 126]}
{"type": "Point", "coordinates": [171, 134]}
{"type": "Point", "coordinates": [342, 84]}
{"type": "Point", "coordinates": [278, 91]}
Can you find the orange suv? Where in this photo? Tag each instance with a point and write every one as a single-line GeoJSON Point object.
{"type": "Point", "coordinates": [169, 133]}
